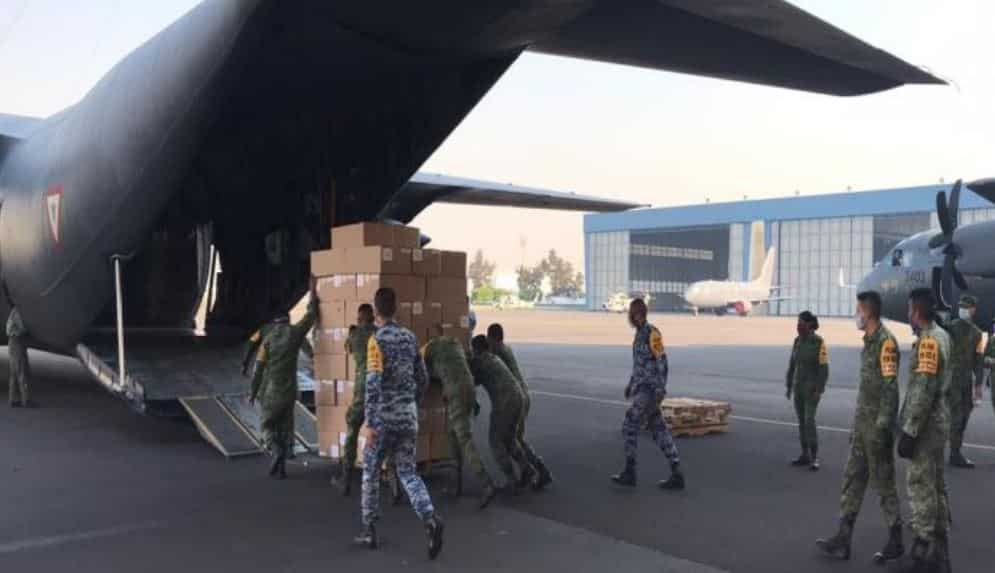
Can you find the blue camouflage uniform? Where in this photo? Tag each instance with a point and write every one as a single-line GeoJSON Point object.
{"type": "Point", "coordinates": [395, 380]}
{"type": "Point", "coordinates": [647, 388]}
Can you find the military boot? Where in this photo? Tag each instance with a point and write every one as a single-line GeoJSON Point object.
{"type": "Point", "coordinates": [838, 546]}
{"type": "Point", "coordinates": [627, 476]}
{"type": "Point", "coordinates": [490, 492]}
{"type": "Point", "coordinates": [15, 403]}
{"type": "Point", "coordinates": [676, 480]}
{"type": "Point", "coordinates": [526, 478]}
{"type": "Point", "coordinates": [282, 473]}
{"type": "Point", "coordinates": [368, 537]}
{"type": "Point", "coordinates": [433, 531]}
{"type": "Point", "coordinates": [814, 463]}
{"type": "Point", "coordinates": [545, 478]}
{"type": "Point", "coordinates": [346, 477]}
{"type": "Point", "coordinates": [894, 548]}
{"type": "Point", "coordinates": [921, 561]}
{"type": "Point", "coordinates": [958, 460]}
{"type": "Point", "coordinates": [274, 466]}
{"type": "Point", "coordinates": [803, 459]}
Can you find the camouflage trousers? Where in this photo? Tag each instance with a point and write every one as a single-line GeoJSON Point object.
{"type": "Point", "coordinates": [870, 462]}
{"type": "Point", "coordinates": [806, 405]}
{"type": "Point", "coordinates": [503, 438]}
{"type": "Point", "coordinates": [458, 414]}
{"type": "Point", "coordinates": [960, 401]}
{"type": "Point", "coordinates": [401, 444]}
{"type": "Point", "coordinates": [528, 454]}
{"type": "Point", "coordinates": [927, 490]}
{"type": "Point", "coordinates": [645, 411]}
{"type": "Point", "coordinates": [354, 418]}
{"type": "Point", "coordinates": [278, 428]}
{"type": "Point", "coordinates": [20, 370]}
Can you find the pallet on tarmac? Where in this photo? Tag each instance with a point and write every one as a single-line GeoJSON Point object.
{"type": "Point", "coordinates": [699, 431]}
{"type": "Point", "coordinates": [694, 417]}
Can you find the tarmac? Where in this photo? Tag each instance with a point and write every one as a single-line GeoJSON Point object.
{"type": "Point", "coordinates": [89, 485]}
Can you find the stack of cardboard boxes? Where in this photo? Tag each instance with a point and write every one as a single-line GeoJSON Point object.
{"type": "Point", "coordinates": [431, 289]}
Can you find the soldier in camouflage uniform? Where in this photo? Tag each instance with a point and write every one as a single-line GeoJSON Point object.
{"type": "Point", "coordinates": [925, 425]}
{"type": "Point", "coordinates": [356, 344]}
{"type": "Point", "coordinates": [872, 456]}
{"type": "Point", "coordinates": [990, 361]}
{"type": "Point", "coordinates": [647, 388]}
{"type": "Point", "coordinates": [541, 476]}
{"type": "Point", "coordinates": [274, 383]}
{"type": "Point", "coordinates": [808, 371]}
{"type": "Point", "coordinates": [966, 374]}
{"type": "Point", "coordinates": [20, 368]}
{"type": "Point", "coordinates": [446, 362]}
{"type": "Point", "coordinates": [506, 406]}
{"type": "Point", "coordinates": [395, 381]}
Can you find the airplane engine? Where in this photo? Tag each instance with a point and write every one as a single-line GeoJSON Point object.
{"type": "Point", "coordinates": [743, 307]}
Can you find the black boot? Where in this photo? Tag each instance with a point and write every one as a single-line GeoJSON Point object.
{"type": "Point", "coordinates": [282, 474]}
{"type": "Point", "coordinates": [274, 466]}
{"type": "Point", "coordinates": [838, 546]}
{"type": "Point", "coordinates": [803, 459]}
{"type": "Point", "coordinates": [490, 492]}
{"type": "Point", "coordinates": [814, 464]}
{"type": "Point", "coordinates": [346, 477]}
{"type": "Point", "coordinates": [958, 460]}
{"type": "Point", "coordinates": [15, 403]}
{"type": "Point", "coordinates": [676, 480]}
{"type": "Point", "coordinates": [33, 404]}
{"type": "Point", "coordinates": [526, 478]}
{"type": "Point", "coordinates": [894, 548]}
{"type": "Point", "coordinates": [921, 561]}
{"type": "Point", "coordinates": [943, 554]}
{"type": "Point", "coordinates": [545, 478]}
{"type": "Point", "coordinates": [433, 531]}
{"type": "Point", "coordinates": [627, 476]}
{"type": "Point", "coordinates": [368, 537]}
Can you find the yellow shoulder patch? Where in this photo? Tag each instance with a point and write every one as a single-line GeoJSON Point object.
{"type": "Point", "coordinates": [823, 354]}
{"type": "Point", "coordinates": [261, 354]}
{"type": "Point", "coordinates": [374, 358]}
{"type": "Point", "coordinates": [256, 337]}
{"type": "Point", "coordinates": [928, 357]}
{"type": "Point", "coordinates": [980, 348]}
{"type": "Point", "coordinates": [889, 359]}
{"type": "Point", "coordinates": [656, 343]}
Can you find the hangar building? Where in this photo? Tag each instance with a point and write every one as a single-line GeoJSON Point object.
{"type": "Point", "coordinates": [661, 251]}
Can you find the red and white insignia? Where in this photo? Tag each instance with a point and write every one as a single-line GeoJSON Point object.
{"type": "Point", "coordinates": [53, 211]}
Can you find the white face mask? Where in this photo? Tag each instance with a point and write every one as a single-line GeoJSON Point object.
{"type": "Point", "coordinates": [964, 313]}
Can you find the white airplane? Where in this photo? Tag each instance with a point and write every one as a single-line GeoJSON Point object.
{"type": "Point", "coordinates": [737, 296]}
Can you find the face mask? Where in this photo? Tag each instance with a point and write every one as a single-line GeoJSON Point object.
{"type": "Point", "coordinates": [964, 313]}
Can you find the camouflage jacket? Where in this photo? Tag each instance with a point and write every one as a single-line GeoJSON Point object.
{"type": "Point", "coordinates": [15, 325]}
{"type": "Point", "coordinates": [501, 385]}
{"type": "Point", "coordinates": [967, 346]}
{"type": "Point", "coordinates": [877, 395]}
{"type": "Point", "coordinates": [395, 380]}
{"type": "Point", "coordinates": [808, 368]}
{"type": "Point", "coordinates": [504, 352]}
{"type": "Point", "coordinates": [649, 361]}
{"type": "Point", "coordinates": [357, 344]}
{"type": "Point", "coordinates": [275, 378]}
{"type": "Point", "coordinates": [924, 411]}
{"type": "Point", "coordinates": [446, 362]}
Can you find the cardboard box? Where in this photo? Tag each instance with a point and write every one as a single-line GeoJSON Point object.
{"type": "Point", "coordinates": [440, 449]}
{"type": "Point", "coordinates": [423, 316]}
{"type": "Point", "coordinates": [345, 392]}
{"type": "Point", "coordinates": [330, 341]}
{"type": "Point", "coordinates": [403, 314]}
{"type": "Point", "coordinates": [332, 418]}
{"type": "Point", "coordinates": [333, 366]}
{"type": "Point", "coordinates": [332, 314]}
{"type": "Point", "coordinates": [328, 445]}
{"type": "Point", "coordinates": [456, 312]}
{"type": "Point", "coordinates": [407, 237]}
{"type": "Point", "coordinates": [452, 264]}
{"type": "Point", "coordinates": [336, 287]}
{"type": "Point", "coordinates": [324, 393]}
{"type": "Point", "coordinates": [363, 235]}
{"type": "Point", "coordinates": [378, 260]}
{"type": "Point", "coordinates": [408, 288]}
{"type": "Point", "coordinates": [426, 262]}
{"type": "Point", "coordinates": [328, 263]}
{"type": "Point", "coordinates": [445, 289]}
{"type": "Point", "coordinates": [423, 448]}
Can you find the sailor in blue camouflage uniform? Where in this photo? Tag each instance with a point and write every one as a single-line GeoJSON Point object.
{"type": "Point", "coordinates": [647, 388]}
{"type": "Point", "coordinates": [395, 381]}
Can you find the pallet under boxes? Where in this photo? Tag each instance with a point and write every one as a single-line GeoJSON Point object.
{"type": "Point", "coordinates": [693, 417]}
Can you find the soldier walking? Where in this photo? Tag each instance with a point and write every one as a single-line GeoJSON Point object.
{"type": "Point", "coordinates": [395, 381]}
{"type": "Point", "coordinates": [274, 383]}
{"type": "Point", "coordinates": [541, 477]}
{"type": "Point", "coordinates": [647, 388]}
{"type": "Point", "coordinates": [20, 368]}
{"type": "Point", "coordinates": [808, 371]}
{"type": "Point", "coordinates": [356, 345]}
{"type": "Point", "coordinates": [446, 361]}
{"type": "Point", "coordinates": [872, 457]}
{"type": "Point", "coordinates": [966, 374]}
{"type": "Point", "coordinates": [925, 424]}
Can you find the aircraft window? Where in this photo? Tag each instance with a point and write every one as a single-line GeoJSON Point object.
{"type": "Point", "coordinates": [897, 258]}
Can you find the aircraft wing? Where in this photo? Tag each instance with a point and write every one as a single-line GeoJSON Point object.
{"type": "Point", "coordinates": [426, 188]}
{"type": "Point", "coordinates": [766, 42]}
{"type": "Point", "coordinates": [17, 126]}
{"type": "Point", "coordinates": [984, 188]}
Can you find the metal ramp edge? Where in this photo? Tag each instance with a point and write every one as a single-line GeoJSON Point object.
{"type": "Point", "coordinates": [219, 427]}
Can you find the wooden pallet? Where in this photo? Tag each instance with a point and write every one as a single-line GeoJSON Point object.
{"type": "Point", "coordinates": [699, 431]}
{"type": "Point", "coordinates": [693, 417]}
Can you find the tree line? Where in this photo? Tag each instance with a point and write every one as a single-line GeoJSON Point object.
{"type": "Point", "coordinates": [564, 280]}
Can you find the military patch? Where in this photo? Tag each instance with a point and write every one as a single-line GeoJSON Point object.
{"type": "Point", "coordinates": [823, 354]}
{"type": "Point", "coordinates": [889, 359]}
{"type": "Point", "coordinates": [980, 348]}
{"type": "Point", "coordinates": [261, 354]}
{"type": "Point", "coordinates": [374, 358]}
{"type": "Point", "coordinates": [928, 357]}
{"type": "Point", "coordinates": [256, 337]}
{"type": "Point", "coordinates": [656, 343]}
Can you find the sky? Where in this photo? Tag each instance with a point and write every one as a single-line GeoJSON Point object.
{"type": "Point", "coordinates": [651, 137]}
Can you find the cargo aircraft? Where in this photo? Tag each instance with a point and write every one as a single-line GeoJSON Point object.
{"type": "Point", "coordinates": [242, 132]}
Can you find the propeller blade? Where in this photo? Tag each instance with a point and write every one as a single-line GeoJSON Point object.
{"type": "Point", "coordinates": [943, 214]}
{"type": "Point", "coordinates": [954, 206]}
{"type": "Point", "coordinates": [938, 240]}
{"type": "Point", "coordinates": [947, 282]}
{"type": "Point", "coordinates": [960, 280]}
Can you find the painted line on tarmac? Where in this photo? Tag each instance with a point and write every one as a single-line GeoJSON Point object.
{"type": "Point", "coordinates": [50, 541]}
{"type": "Point", "coordinates": [767, 421]}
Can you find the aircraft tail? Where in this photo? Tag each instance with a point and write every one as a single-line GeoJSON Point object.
{"type": "Point", "coordinates": [766, 278]}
